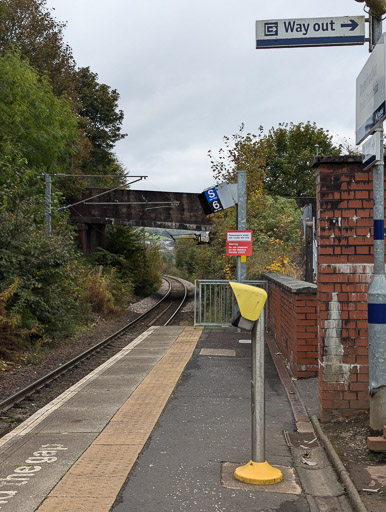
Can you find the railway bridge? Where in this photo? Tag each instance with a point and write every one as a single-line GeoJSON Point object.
{"type": "Point", "coordinates": [142, 208]}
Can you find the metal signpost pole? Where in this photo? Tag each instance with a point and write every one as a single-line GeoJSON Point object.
{"type": "Point", "coordinates": [241, 220]}
{"type": "Point", "coordinates": [48, 204]}
{"type": "Point", "coordinates": [258, 392]}
{"type": "Point", "coordinates": [376, 297]}
{"type": "Point", "coordinates": [251, 301]}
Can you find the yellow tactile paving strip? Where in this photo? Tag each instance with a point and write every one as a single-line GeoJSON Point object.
{"type": "Point", "coordinates": [93, 482]}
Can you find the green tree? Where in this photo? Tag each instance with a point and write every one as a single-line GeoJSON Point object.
{"type": "Point", "coordinates": [101, 121]}
{"type": "Point", "coordinates": [43, 302]}
{"type": "Point", "coordinates": [29, 27]}
{"type": "Point", "coordinates": [136, 262]}
{"type": "Point", "coordinates": [278, 166]}
{"type": "Point", "coordinates": [198, 261]}
{"type": "Point", "coordinates": [35, 124]}
{"type": "Point", "coordinates": [288, 151]}
{"type": "Point", "coordinates": [279, 162]}
{"type": "Point", "coordinates": [275, 224]}
{"type": "Point", "coordinates": [241, 151]}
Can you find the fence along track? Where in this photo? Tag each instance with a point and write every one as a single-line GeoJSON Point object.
{"type": "Point", "coordinates": [214, 301]}
{"type": "Point", "coordinates": [43, 381]}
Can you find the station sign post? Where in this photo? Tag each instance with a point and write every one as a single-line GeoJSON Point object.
{"type": "Point", "coordinates": [370, 114]}
{"type": "Point", "coordinates": [333, 31]}
{"type": "Point", "coordinates": [219, 197]}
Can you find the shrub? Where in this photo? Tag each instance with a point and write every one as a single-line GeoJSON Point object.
{"type": "Point", "coordinates": [274, 222]}
{"type": "Point", "coordinates": [11, 332]}
{"type": "Point", "coordinates": [135, 262]}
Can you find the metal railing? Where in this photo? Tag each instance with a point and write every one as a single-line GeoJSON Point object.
{"type": "Point", "coordinates": [214, 301]}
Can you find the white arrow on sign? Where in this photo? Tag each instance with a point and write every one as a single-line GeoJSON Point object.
{"type": "Point", "coordinates": [344, 30]}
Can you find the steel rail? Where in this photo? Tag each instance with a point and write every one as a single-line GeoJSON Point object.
{"type": "Point", "coordinates": [183, 300]}
{"type": "Point", "coordinates": [43, 381]}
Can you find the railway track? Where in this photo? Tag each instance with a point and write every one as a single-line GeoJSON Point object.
{"type": "Point", "coordinates": [19, 406]}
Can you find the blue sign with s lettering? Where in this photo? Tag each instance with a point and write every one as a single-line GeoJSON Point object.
{"type": "Point", "coordinates": [211, 194]}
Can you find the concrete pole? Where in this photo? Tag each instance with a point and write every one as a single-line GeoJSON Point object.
{"type": "Point", "coordinates": [376, 296]}
{"type": "Point", "coordinates": [241, 220]}
{"type": "Point", "coordinates": [48, 204]}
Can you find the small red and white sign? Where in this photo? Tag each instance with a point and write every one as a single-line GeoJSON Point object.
{"type": "Point", "coordinates": [239, 243]}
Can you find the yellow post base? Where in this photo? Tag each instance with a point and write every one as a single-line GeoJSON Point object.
{"type": "Point", "coordinates": [258, 473]}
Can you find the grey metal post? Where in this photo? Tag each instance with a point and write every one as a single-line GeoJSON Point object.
{"type": "Point", "coordinates": [376, 30]}
{"type": "Point", "coordinates": [241, 219]}
{"type": "Point", "coordinates": [48, 204]}
{"type": "Point", "coordinates": [258, 392]}
{"type": "Point", "coordinates": [376, 296]}
{"type": "Point", "coordinates": [309, 250]}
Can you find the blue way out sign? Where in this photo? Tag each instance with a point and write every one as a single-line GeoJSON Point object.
{"type": "Point", "coordinates": [344, 30]}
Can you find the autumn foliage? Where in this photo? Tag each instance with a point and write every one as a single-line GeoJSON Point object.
{"type": "Point", "coordinates": [278, 167]}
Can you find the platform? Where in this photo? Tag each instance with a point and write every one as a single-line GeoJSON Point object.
{"type": "Point", "coordinates": [101, 424]}
{"type": "Point", "coordinates": [161, 426]}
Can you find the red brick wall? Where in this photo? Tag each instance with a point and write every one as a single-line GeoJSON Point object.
{"type": "Point", "coordinates": [292, 320]}
{"type": "Point", "coordinates": [345, 256]}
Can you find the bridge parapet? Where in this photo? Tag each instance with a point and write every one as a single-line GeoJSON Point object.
{"type": "Point", "coordinates": [138, 208]}
{"type": "Point", "coordinates": [143, 208]}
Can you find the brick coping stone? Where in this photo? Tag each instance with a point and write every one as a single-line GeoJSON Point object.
{"type": "Point", "coordinates": [349, 159]}
{"type": "Point", "coordinates": [291, 284]}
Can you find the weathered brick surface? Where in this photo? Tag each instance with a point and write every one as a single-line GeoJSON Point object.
{"type": "Point", "coordinates": [333, 325]}
{"type": "Point", "coordinates": [345, 266]}
{"type": "Point", "coordinates": [292, 321]}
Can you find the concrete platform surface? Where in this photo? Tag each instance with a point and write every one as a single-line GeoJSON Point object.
{"type": "Point", "coordinates": [100, 424]}
{"type": "Point", "coordinates": [204, 433]}
{"type": "Point", "coordinates": [161, 426]}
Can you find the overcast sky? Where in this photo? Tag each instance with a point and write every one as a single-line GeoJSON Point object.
{"type": "Point", "coordinates": [188, 73]}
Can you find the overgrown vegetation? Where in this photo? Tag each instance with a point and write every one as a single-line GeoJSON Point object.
{"type": "Point", "coordinates": [278, 166]}
{"type": "Point", "coordinates": [56, 119]}
{"type": "Point", "coordinates": [136, 263]}
{"type": "Point", "coordinates": [48, 289]}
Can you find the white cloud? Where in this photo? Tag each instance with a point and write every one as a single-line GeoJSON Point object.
{"type": "Point", "coordinates": [188, 73]}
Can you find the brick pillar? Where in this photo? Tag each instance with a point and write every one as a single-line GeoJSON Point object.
{"type": "Point", "coordinates": [345, 266]}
